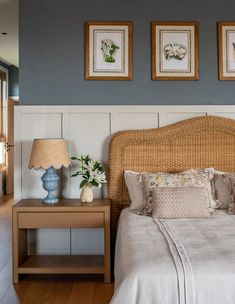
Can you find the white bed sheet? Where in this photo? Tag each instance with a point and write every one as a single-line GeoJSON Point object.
{"type": "Point", "coordinates": [146, 269]}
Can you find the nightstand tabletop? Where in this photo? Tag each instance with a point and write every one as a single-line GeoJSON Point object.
{"type": "Point", "coordinates": [62, 205]}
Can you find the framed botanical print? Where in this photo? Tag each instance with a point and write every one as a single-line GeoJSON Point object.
{"type": "Point", "coordinates": [226, 52]}
{"type": "Point", "coordinates": [108, 50]}
{"type": "Point", "coordinates": [175, 50]}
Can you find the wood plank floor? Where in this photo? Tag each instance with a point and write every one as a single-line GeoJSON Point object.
{"type": "Point", "coordinates": [44, 289]}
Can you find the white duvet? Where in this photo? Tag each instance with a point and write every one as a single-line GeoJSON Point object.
{"type": "Point", "coordinates": [175, 261]}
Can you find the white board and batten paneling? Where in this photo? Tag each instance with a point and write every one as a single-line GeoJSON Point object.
{"type": "Point", "coordinates": [87, 130]}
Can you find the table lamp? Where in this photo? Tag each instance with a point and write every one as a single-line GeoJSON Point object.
{"type": "Point", "coordinates": [49, 154]}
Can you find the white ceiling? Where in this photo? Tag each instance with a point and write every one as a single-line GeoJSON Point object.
{"type": "Point", "coordinates": [9, 44]}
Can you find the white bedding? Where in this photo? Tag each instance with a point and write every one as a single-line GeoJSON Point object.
{"type": "Point", "coordinates": [175, 261]}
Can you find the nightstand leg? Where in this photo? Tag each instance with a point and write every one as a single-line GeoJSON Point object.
{"type": "Point", "coordinates": [107, 276]}
{"type": "Point", "coordinates": [15, 276]}
{"type": "Point", "coordinates": [19, 246]}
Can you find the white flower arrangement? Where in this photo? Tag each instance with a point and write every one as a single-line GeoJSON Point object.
{"type": "Point", "coordinates": [175, 51]}
{"type": "Point", "coordinates": [92, 171]}
{"type": "Point", "coordinates": [108, 48]}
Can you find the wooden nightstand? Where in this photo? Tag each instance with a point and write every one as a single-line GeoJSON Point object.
{"type": "Point", "coordinates": [68, 213]}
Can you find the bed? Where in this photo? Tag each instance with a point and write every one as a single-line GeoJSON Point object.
{"type": "Point", "coordinates": [169, 261]}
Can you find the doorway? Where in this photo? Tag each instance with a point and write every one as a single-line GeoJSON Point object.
{"type": "Point", "coordinates": [6, 135]}
{"type": "Point", "coordinates": [9, 147]}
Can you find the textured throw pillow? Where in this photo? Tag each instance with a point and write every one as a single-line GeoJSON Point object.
{"type": "Point", "coordinates": [154, 180]}
{"type": "Point", "coordinates": [135, 188]}
{"type": "Point", "coordinates": [181, 202]}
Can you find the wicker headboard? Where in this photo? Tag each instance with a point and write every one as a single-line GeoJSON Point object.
{"type": "Point", "coordinates": [194, 143]}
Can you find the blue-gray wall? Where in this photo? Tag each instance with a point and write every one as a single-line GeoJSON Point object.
{"type": "Point", "coordinates": [13, 81]}
{"type": "Point", "coordinates": [52, 52]}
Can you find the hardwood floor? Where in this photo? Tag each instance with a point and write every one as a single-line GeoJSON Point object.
{"type": "Point", "coordinates": [44, 289]}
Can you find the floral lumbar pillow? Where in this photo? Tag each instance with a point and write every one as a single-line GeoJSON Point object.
{"type": "Point", "coordinates": [214, 203]}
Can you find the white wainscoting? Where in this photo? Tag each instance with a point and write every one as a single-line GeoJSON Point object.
{"type": "Point", "coordinates": [87, 130]}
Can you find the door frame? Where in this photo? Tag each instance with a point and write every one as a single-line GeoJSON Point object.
{"type": "Point", "coordinates": [10, 150]}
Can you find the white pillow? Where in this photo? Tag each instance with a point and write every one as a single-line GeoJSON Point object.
{"type": "Point", "coordinates": [135, 188]}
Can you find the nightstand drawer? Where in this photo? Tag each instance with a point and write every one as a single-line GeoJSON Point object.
{"type": "Point", "coordinates": [60, 220]}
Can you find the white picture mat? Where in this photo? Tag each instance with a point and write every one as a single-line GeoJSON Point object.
{"type": "Point", "coordinates": [228, 37]}
{"type": "Point", "coordinates": [173, 64]}
{"type": "Point", "coordinates": [119, 40]}
{"type": "Point", "coordinates": [172, 68]}
{"type": "Point", "coordinates": [121, 55]}
{"type": "Point", "coordinates": [231, 51]}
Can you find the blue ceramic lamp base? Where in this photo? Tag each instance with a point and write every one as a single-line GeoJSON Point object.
{"type": "Point", "coordinates": [50, 180]}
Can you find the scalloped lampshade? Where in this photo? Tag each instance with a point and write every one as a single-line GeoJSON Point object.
{"type": "Point", "coordinates": [48, 153]}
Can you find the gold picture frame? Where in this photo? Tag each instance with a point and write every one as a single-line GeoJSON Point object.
{"type": "Point", "coordinates": [108, 50]}
{"type": "Point", "coordinates": [175, 50]}
{"type": "Point", "coordinates": [226, 50]}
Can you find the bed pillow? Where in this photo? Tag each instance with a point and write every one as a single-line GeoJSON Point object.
{"type": "Point", "coordinates": [154, 180]}
{"type": "Point", "coordinates": [231, 206]}
{"type": "Point", "coordinates": [220, 191]}
{"type": "Point", "coordinates": [135, 187]}
{"type": "Point", "coordinates": [181, 202]}
{"type": "Point", "coordinates": [223, 190]}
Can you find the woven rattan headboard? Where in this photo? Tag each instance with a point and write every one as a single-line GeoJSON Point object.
{"type": "Point", "coordinates": [194, 143]}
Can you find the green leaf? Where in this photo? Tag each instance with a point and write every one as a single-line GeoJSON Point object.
{"type": "Point", "coordinates": [83, 183]}
{"type": "Point", "coordinates": [75, 174]}
{"type": "Point", "coordinates": [94, 183]}
{"type": "Point", "coordinates": [96, 166]}
{"type": "Point", "coordinates": [74, 158]}
{"type": "Point", "coordinates": [87, 158]}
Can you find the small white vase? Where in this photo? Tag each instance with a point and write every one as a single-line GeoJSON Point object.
{"type": "Point", "coordinates": [87, 193]}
